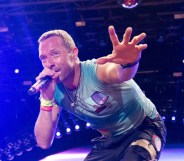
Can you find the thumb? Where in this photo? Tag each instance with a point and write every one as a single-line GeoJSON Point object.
{"type": "Point", "coordinates": [103, 60]}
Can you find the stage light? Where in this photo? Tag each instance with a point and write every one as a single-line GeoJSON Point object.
{"type": "Point", "coordinates": [16, 71]}
{"type": "Point", "coordinates": [173, 115]}
{"type": "Point", "coordinates": [77, 127]}
{"type": "Point", "coordinates": [58, 134]}
{"type": "Point", "coordinates": [173, 118]}
{"type": "Point", "coordinates": [68, 130]}
{"type": "Point", "coordinates": [128, 3]}
{"type": "Point", "coordinates": [80, 23]}
{"type": "Point", "coordinates": [88, 125]}
{"type": "Point", "coordinates": [164, 118]}
{"type": "Point", "coordinates": [177, 74]}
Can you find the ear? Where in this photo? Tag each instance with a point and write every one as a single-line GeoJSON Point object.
{"type": "Point", "coordinates": [75, 52]}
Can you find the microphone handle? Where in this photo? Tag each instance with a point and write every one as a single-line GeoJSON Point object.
{"type": "Point", "coordinates": [38, 85]}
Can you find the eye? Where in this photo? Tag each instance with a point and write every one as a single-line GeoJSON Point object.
{"type": "Point", "coordinates": [42, 58]}
{"type": "Point", "coordinates": [55, 53]}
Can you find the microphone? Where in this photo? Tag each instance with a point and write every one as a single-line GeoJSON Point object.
{"type": "Point", "coordinates": [38, 85]}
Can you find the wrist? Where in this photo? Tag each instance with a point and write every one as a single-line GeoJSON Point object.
{"type": "Point", "coordinates": [129, 65]}
{"type": "Point", "coordinates": [46, 108]}
{"type": "Point", "coordinates": [45, 102]}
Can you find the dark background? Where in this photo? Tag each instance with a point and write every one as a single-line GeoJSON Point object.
{"type": "Point", "coordinates": [160, 74]}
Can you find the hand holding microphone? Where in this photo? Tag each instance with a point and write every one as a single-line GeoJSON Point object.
{"type": "Point", "coordinates": [45, 77]}
{"type": "Point", "coordinates": [38, 85]}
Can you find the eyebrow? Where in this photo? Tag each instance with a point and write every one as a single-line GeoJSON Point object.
{"type": "Point", "coordinates": [53, 50]}
{"type": "Point", "coordinates": [50, 52]}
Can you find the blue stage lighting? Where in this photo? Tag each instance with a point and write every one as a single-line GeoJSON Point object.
{"type": "Point", "coordinates": [68, 130]}
{"type": "Point", "coordinates": [77, 127]}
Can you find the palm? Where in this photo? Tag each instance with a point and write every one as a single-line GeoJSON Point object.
{"type": "Point", "coordinates": [126, 51]}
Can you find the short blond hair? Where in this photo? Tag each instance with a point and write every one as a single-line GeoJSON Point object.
{"type": "Point", "coordinates": [67, 39]}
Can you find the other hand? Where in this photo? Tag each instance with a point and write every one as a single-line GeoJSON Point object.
{"type": "Point", "coordinates": [124, 52]}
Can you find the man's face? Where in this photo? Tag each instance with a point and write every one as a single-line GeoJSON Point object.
{"type": "Point", "coordinates": [54, 55]}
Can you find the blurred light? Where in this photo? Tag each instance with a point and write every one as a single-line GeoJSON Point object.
{"type": "Point", "coordinates": [68, 130]}
{"type": "Point", "coordinates": [177, 74]}
{"type": "Point", "coordinates": [16, 71]}
{"type": "Point", "coordinates": [77, 127]}
{"type": "Point", "coordinates": [8, 155]}
{"type": "Point", "coordinates": [179, 16]}
{"type": "Point", "coordinates": [160, 39]}
{"type": "Point", "coordinates": [4, 29]}
{"type": "Point", "coordinates": [27, 83]}
{"type": "Point", "coordinates": [173, 118]}
{"type": "Point", "coordinates": [88, 125]}
{"type": "Point", "coordinates": [28, 146]}
{"type": "Point", "coordinates": [80, 23]}
{"type": "Point", "coordinates": [10, 145]}
{"type": "Point", "coordinates": [18, 150]}
{"type": "Point", "coordinates": [128, 3]}
{"type": "Point", "coordinates": [70, 156]}
{"type": "Point", "coordinates": [164, 118]}
{"type": "Point", "coordinates": [58, 134]}
{"type": "Point", "coordinates": [18, 147]}
{"type": "Point", "coordinates": [1, 154]}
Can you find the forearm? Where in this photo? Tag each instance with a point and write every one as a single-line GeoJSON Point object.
{"type": "Point", "coordinates": [46, 123]}
{"type": "Point", "coordinates": [44, 129]}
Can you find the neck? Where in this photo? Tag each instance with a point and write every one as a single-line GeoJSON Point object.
{"type": "Point", "coordinates": [73, 82]}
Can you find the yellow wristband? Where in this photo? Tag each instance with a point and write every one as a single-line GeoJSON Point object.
{"type": "Point", "coordinates": [44, 102]}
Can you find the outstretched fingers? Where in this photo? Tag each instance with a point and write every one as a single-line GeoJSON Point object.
{"type": "Point", "coordinates": [141, 47]}
{"type": "Point", "coordinates": [138, 39]}
{"type": "Point", "coordinates": [127, 35]}
{"type": "Point", "coordinates": [113, 36]}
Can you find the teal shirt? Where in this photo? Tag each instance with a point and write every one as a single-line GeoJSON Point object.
{"type": "Point", "coordinates": [116, 108]}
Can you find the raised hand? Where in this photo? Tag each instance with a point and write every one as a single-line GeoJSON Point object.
{"type": "Point", "coordinates": [124, 52]}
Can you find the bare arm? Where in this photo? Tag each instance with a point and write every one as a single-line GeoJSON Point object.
{"type": "Point", "coordinates": [45, 127]}
{"type": "Point", "coordinates": [47, 121]}
{"type": "Point", "coordinates": [125, 52]}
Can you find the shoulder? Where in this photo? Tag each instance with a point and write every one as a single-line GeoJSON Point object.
{"type": "Point", "coordinates": [91, 62]}
{"type": "Point", "coordinates": [89, 65]}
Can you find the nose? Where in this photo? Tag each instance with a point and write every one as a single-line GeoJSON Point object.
{"type": "Point", "coordinates": [50, 63]}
